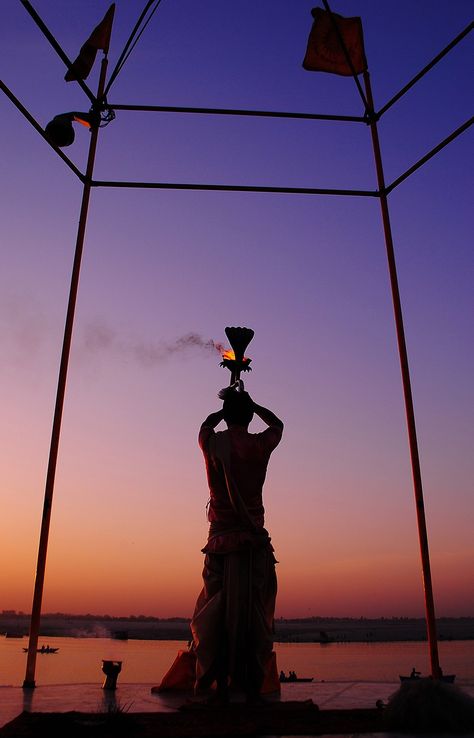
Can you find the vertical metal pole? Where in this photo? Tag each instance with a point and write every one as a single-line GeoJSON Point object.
{"type": "Point", "coordinates": [29, 681]}
{"type": "Point", "coordinates": [410, 414]}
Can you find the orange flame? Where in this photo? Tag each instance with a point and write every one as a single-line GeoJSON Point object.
{"type": "Point", "coordinates": [228, 354]}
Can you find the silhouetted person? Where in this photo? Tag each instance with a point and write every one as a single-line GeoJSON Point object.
{"type": "Point", "coordinates": [232, 624]}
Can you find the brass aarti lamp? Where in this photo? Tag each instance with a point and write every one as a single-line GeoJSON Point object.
{"type": "Point", "coordinates": [234, 360]}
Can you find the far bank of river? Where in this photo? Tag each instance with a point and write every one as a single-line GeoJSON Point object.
{"type": "Point", "coordinates": [309, 630]}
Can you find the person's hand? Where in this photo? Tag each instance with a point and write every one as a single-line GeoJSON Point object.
{"type": "Point", "coordinates": [237, 386]}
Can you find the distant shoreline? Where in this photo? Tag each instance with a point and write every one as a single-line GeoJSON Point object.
{"type": "Point", "coordinates": [304, 630]}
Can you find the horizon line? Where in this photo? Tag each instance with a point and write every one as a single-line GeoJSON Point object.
{"type": "Point", "coordinates": [181, 618]}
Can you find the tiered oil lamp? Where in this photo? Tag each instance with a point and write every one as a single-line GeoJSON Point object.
{"type": "Point", "coordinates": [234, 360]}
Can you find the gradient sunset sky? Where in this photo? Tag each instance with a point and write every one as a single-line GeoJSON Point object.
{"type": "Point", "coordinates": [307, 273]}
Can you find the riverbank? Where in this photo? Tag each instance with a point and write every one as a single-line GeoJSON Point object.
{"type": "Point", "coordinates": [307, 630]}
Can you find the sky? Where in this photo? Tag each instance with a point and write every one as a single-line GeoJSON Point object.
{"type": "Point", "coordinates": [307, 273]}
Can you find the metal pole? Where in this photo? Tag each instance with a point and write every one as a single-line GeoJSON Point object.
{"type": "Point", "coordinates": [39, 129]}
{"type": "Point", "coordinates": [237, 112]}
{"type": "Point", "coordinates": [410, 414]}
{"type": "Point", "coordinates": [233, 188]}
{"type": "Point", "coordinates": [425, 69]}
{"type": "Point", "coordinates": [430, 155]}
{"type": "Point", "coordinates": [46, 32]}
{"type": "Point", "coordinates": [347, 55]}
{"type": "Point", "coordinates": [29, 681]}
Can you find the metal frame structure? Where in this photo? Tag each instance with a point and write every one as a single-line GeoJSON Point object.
{"type": "Point", "coordinates": [370, 118]}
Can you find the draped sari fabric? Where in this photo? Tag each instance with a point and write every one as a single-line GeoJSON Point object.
{"type": "Point", "coordinates": [232, 626]}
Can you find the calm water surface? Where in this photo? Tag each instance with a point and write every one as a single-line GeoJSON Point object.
{"type": "Point", "coordinates": [79, 660]}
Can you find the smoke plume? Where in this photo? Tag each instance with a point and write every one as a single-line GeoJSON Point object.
{"type": "Point", "coordinates": [99, 338]}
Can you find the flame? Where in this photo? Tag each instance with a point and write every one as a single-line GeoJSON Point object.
{"type": "Point", "coordinates": [228, 354]}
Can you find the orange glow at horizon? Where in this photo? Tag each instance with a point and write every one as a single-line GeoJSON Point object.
{"type": "Point", "coordinates": [128, 526]}
{"type": "Point", "coordinates": [105, 560]}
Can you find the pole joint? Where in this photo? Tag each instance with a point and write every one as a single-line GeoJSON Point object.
{"type": "Point", "coordinates": [371, 116]}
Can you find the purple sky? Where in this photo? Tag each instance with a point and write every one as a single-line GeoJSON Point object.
{"type": "Point", "coordinates": [308, 273]}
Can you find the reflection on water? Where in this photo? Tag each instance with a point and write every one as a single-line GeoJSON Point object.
{"type": "Point", "coordinates": [79, 660]}
{"type": "Point", "coordinates": [28, 700]}
{"type": "Point", "coordinates": [109, 701]}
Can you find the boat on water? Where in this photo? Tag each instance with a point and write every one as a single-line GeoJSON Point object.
{"type": "Point", "coordinates": [14, 634]}
{"type": "Point", "coordinates": [293, 678]}
{"type": "Point", "coordinates": [416, 676]}
{"type": "Point", "coordinates": [44, 649]}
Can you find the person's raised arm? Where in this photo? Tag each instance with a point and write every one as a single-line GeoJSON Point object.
{"type": "Point", "coordinates": [213, 419]}
{"type": "Point", "coordinates": [267, 416]}
{"type": "Point", "coordinates": [207, 428]}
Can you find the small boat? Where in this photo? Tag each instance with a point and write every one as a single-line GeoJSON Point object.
{"type": "Point", "coordinates": [44, 649]}
{"type": "Point", "coordinates": [448, 678]}
{"type": "Point", "coordinates": [13, 634]}
{"type": "Point", "coordinates": [292, 678]}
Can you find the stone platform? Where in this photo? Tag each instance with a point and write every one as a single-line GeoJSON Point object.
{"type": "Point", "coordinates": [349, 707]}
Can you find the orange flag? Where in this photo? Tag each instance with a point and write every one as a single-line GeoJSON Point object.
{"type": "Point", "coordinates": [99, 39]}
{"type": "Point", "coordinates": [325, 52]}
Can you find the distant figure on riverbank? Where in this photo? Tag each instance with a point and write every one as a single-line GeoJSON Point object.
{"type": "Point", "coordinates": [232, 625]}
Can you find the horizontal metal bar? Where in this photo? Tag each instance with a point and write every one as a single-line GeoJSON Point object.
{"type": "Point", "coordinates": [234, 188]}
{"type": "Point", "coordinates": [46, 32]}
{"type": "Point", "coordinates": [225, 111]}
{"type": "Point", "coordinates": [426, 69]}
{"type": "Point", "coordinates": [40, 130]}
{"type": "Point", "coordinates": [430, 154]}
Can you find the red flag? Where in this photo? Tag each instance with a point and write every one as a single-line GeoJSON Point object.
{"type": "Point", "coordinates": [325, 52]}
{"type": "Point", "coordinates": [99, 39]}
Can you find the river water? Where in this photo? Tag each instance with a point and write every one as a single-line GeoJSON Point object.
{"type": "Point", "coordinates": [79, 660]}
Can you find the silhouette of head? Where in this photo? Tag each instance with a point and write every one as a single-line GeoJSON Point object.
{"type": "Point", "coordinates": [238, 409]}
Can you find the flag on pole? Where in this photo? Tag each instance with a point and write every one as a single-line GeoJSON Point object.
{"type": "Point", "coordinates": [325, 52]}
{"type": "Point", "coordinates": [99, 39]}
